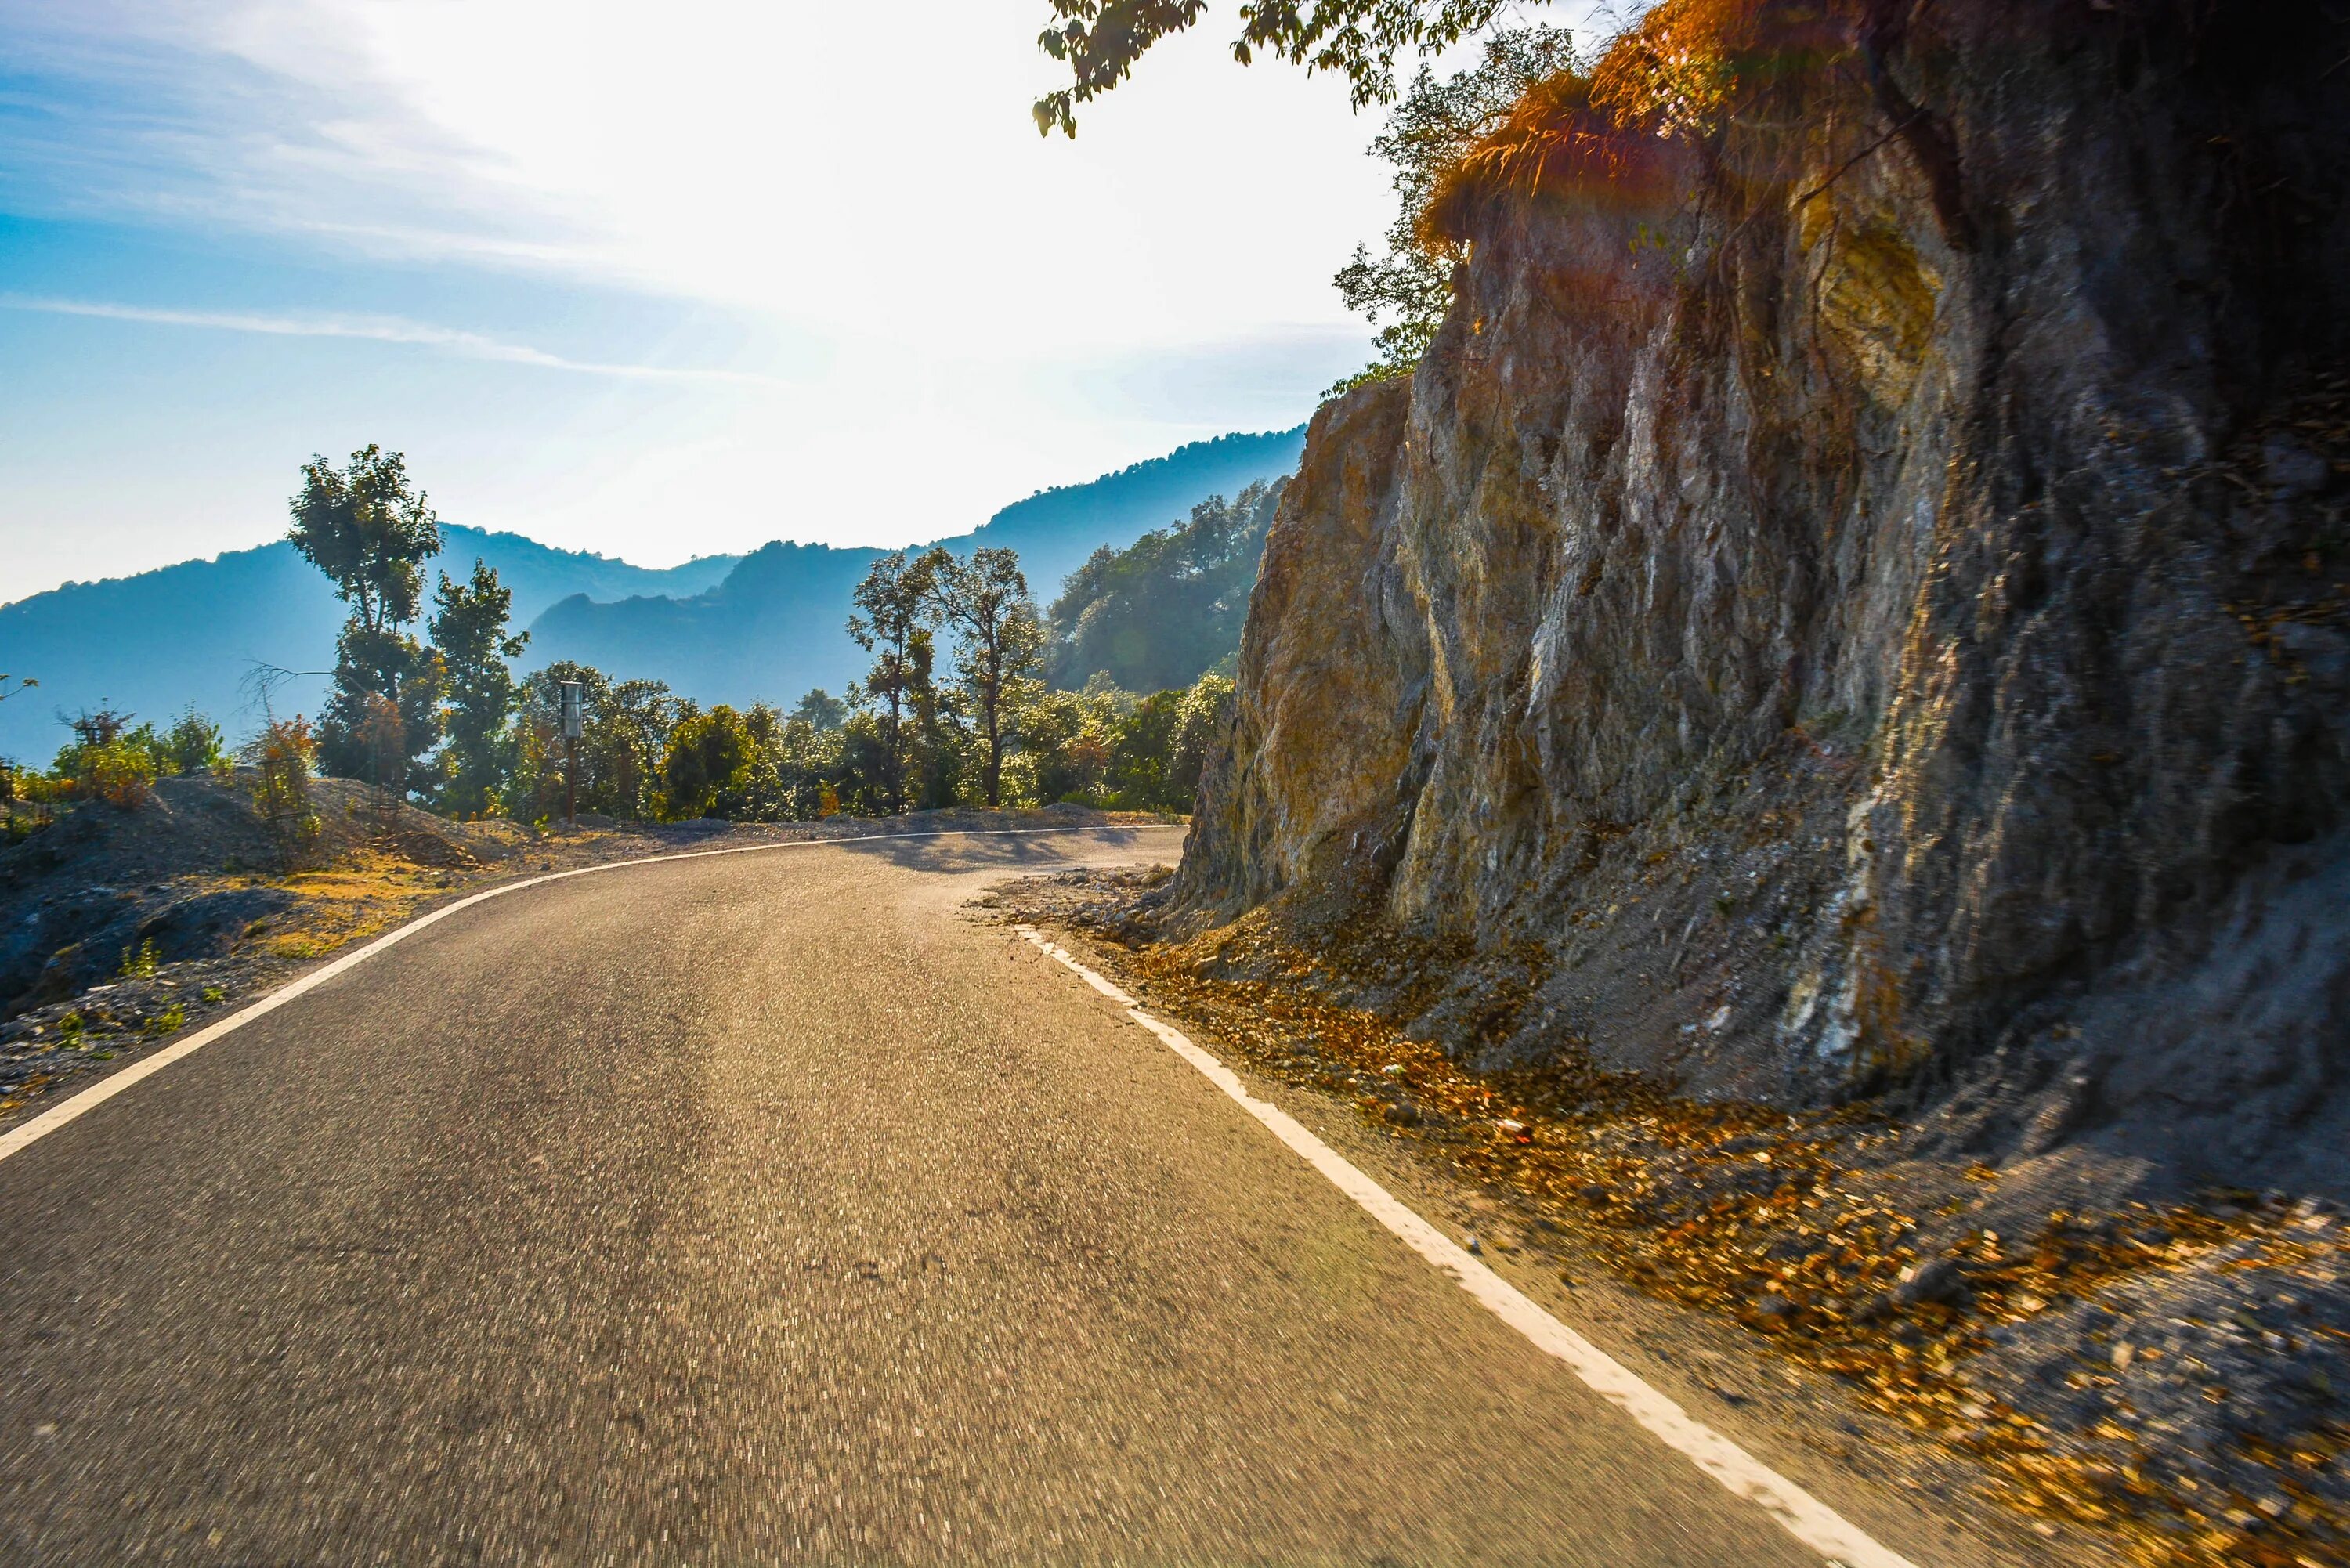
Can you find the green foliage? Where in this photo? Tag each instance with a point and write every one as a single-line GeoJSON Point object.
{"type": "Point", "coordinates": [626, 726]}
{"type": "Point", "coordinates": [470, 631]}
{"type": "Point", "coordinates": [1170, 606]}
{"type": "Point", "coordinates": [107, 760]}
{"type": "Point", "coordinates": [1105, 747]}
{"type": "Point", "coordinates": [139, 964]}
{"type": "Point", "coordinates": [370, 533]}
{"type": "Point", "coordinates": [284, 757]}
{"type": "Point", "coordinates": [168, 1021]}
{"type": "Point", "coordinates": [192, 746]}
{"type": "Point", "coordinates": [71, 1029]}
{"type": "Point", "coordinates": [708, 766]}
{"type": "Point", "coordinates": [1101, 40]}
{"type": "Point", "coordinates": [999, 648]}
{"type": "Point", "coordinates": [822, 710]}
{"type": "Point", "coordinates": [896, 613]}
{"type": "Point", "coordinates": [1408, 287]}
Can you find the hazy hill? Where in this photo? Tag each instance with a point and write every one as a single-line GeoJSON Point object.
{"type": "Point", "coordinates": [154, 643]}
{"type": "Point", "coordinates": [1168, 608]}
{"type": "Point", "coordinates": [774, 627]}
{"type": "Point", "coordinates": [722, 629]}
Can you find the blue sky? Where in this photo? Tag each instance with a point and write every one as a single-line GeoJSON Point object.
{"type": "Point", "coordinates": [655, 281]}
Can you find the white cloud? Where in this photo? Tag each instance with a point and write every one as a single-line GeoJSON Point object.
{"type": "Point", "coordinates": [380, 329]}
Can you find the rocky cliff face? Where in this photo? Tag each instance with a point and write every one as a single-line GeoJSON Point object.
{"type": "Point", "coordinates": [1872, 618]}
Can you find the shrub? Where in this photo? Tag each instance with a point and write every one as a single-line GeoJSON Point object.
{"type": "Point", "coordinates": [192, 746]}
{"type": "Point", "coordinates": [284, 756]}
{"type": "Point", "coordinates": [710, 755]}
{"type": "Point", "coordinates": [120, 774]}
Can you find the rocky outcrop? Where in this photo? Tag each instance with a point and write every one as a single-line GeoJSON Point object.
{"type": "Point", "coordinates": [1870, 619]}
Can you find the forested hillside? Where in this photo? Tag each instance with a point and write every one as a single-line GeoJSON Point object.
{"type": "Point", "coordinates": [1168, 607]}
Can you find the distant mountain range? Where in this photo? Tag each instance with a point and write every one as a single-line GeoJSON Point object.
{"type": "Point", "coordinates": [722, 629]}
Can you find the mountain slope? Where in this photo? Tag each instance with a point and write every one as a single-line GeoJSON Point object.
{"type": "Point", "coordinates": [774, 628]}
{"type": "Point", "coordinates": [720, 629]}
{"type": "Point", "coordinates": [191, 633]}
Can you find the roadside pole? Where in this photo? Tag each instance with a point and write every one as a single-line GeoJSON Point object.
{"type": "Point", "coordinates": [573, 695]}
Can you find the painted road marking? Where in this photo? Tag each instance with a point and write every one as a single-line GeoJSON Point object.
{"type": "Point", "coordinates": [32, 1132]}
{"type": "Point", "coordinates": [1798, 1512]}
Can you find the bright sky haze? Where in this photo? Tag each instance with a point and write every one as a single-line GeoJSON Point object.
{"type": "Point", "coordinates": [655, 281]}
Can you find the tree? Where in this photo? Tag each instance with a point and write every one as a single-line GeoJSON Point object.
{"type": "Point", "coordinates": [895, 627]}
{"type": "Point", "coordinates": [470, 631]}
{"type": "Point", "coordinates": [999, 645]}
{"type": "Point", "coordinates": [1101, 40]}
{"type": "Point", "coordinates": [709, 758]}
{"type": "Point", "coordinates": [626, 728]}
{"type": "Point", "coordinates": [1435, 125]}
{"type": "Point", "coordinates": [370, 531]}
{"type": "Point", "coordinates": [822, 710]}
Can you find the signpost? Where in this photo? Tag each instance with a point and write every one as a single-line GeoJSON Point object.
{"type": "Point", "coordinates": [574, 697]}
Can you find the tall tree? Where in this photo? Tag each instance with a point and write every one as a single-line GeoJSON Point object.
{"type": "Point", "coordinates": [470, 631]}
{"type": "Point", "coordinates": [999, 645]}
{"type": "Point", "coordinates": [371, 531]}
{"type": "Point", "coordinates": [894, 625]}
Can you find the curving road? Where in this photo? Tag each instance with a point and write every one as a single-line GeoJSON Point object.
{"type": "Point", "coordinates": [760, 1208]}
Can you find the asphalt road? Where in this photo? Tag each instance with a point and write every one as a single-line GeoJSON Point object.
{"type": "Point", "coordinates": [761, 1209]}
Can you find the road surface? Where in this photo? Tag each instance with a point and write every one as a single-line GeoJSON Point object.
{"type": "Point", "coordinates": [761, 1209]}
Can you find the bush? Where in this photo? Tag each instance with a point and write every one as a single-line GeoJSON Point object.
{"type": "Point", "coordinates": [710, 755]}
{"type": "Point", "coordinates": [120, 774]}
{"type": "Point", "coordinates": [284, 757]}
{"type": "Point", "coordinates": [192, 745]}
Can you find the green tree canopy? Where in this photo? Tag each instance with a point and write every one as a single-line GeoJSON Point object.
{"type": "Point", "coordinates": [999, 645]}
{"type": "Point", "coordinates": [470, 631]}
{"type": "Point", "coordinates": [1407, 290]}
{"type": "Point", "coordinates": [369, 531]}
{"type": "Point", "coordinates": [1101, 40]}
{"type": "Point", "coordinates": [893, 624]}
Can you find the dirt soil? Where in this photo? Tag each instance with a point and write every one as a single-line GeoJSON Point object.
{"type": "Point", "coordinates": [122, 929]}
{"type": "Point", "coordinates": [2159, 1382]}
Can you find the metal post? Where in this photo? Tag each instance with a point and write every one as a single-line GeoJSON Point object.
{"type": "Point", "coordinates": [574, 695]}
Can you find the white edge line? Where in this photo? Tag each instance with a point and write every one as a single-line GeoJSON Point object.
{"type": "Point", "coordinates": [1798, 1512]}
{"type": "Point", "coordinates": [25, 1134]}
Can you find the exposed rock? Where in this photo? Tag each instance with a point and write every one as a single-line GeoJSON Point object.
{"type": "Point", "coordinates": [1885, 610]}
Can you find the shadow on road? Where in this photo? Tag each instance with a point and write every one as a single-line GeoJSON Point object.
{"type": "Point", "coordinates": [1040, 850]}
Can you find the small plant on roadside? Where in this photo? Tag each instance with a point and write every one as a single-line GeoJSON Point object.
{"type": "Point", "coordinates": [141, 963]}
{"type": "Point", "coordinates": [168, 1021]}
{"type": "Point", "coordinates": [215, 995]}
{"type": "Point", "coordinates": [284, 756]}
{"type": "Point", "coordinates": [71, 1031]}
